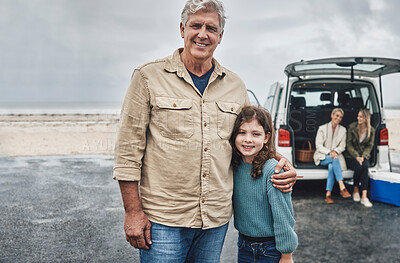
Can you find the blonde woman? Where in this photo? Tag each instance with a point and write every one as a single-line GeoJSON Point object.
{"type": "Point", "coordinates": [359, 143]}
{"type": "Point", "coordinates": [330, 143]}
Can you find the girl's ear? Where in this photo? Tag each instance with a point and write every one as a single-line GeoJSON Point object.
{"type": "Point", "coordinates": [267, 136]}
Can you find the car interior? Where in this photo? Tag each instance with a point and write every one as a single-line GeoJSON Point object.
{"type": "Point", "coordinates": [311, 104]}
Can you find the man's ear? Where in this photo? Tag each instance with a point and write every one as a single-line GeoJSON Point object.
{"type": "Point", "coordinates": [220, 37]}
{"type": "Point", "coordinates": [182, 29]}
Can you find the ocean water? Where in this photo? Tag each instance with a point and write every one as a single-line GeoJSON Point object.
{"type": "Point", "coordinates": [61, 108]}
{"type": "Point", "coordinates": [392, 112]}
{"type": "Point", "coordinates": [89, 108]}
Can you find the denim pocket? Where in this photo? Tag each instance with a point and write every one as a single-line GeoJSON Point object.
{"type": "Point", "coordinates": [268, 249]}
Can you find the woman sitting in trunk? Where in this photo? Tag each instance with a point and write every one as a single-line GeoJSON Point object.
{"type": "Point", "coordinates": [360, 140]}
{"type": "Point", "coordinates": [330, 143]}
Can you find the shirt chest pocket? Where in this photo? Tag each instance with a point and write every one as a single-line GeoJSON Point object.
{"type": "Point", "coordinates": [226, 116]}
{"type": "Point", "coordinates": [174, 117]}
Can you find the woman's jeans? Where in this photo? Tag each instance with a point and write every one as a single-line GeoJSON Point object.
{"type": "Point", "coordinates": [182, 244]}
{"type": "Point", "coordinates": [265, 252]}
{"type": "Point", "coordinates": [334, 170]}
{"type": "Point", "coordinates": [360, 172]}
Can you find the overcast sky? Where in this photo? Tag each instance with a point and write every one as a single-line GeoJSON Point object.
{"type": "Point", "coordinates": [86, 50]}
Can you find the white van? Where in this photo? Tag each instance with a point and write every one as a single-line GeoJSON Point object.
{"type": "Point", "coordinates": [304, 101]}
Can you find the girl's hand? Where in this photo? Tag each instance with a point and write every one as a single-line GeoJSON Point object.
{"type": "Point", "coordinates": [286, 258]}
{"type": "Point", "coordinates": [360, 160]}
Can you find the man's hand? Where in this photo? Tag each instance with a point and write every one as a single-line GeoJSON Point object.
{"type": "Point", "coordinates": [137, 229]}
{"type": "Point", "coordinates": [284, 181]}
{"type": "Point", "coordinates": [137, 225]}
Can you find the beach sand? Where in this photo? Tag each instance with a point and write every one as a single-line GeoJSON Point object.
{"type": "Point", "coordinates": [69, 134]}
{"type": "Point", "coordinates": [58, 134]}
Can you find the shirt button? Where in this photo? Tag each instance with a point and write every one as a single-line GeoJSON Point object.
{"type": "Point", "coordinates": [205, 124]}
{"type": "Point", "coordinates": [203, 201]}
{"type": "Point", "coordinates": [204, 175]}
{"type": "Point", "coordinates": [231, 109]}
{"type": "Point", "coordinates": [205, 149]}
{"type": "Point", "coordinates": [174, 105]}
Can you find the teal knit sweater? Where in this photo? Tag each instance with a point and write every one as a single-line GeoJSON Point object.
{"type": "Point", "coordinates": [261, 210]}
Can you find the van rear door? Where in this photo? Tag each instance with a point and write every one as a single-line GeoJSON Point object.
{"type": "Point", "coordinates": [359, 66]}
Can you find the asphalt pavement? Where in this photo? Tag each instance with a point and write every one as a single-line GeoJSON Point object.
{"type": "Point", "coordinates": [69, 209]}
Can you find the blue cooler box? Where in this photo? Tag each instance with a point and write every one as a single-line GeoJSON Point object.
{"type": "Point", "coordinates": [385, 187]}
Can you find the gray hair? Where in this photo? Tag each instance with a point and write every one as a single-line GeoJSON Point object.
{"type": "Point", "coordinates": [337, 109]}
{"type": "Point", "coordinates": [192, 6]}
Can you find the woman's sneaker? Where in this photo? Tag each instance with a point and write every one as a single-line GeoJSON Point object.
{"type": "Point", "coordinates": [356, 197]}
{"type": "Point", "coordinates": [365, 202]}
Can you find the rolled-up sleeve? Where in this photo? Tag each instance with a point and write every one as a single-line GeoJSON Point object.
{"type": "Point", "coordinates": [134, 122]}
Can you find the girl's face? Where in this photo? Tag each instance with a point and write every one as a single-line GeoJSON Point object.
{"type": "Point", "coordinates": [250, 140]}
{"type": "Point", "coordinates": [360, 118]}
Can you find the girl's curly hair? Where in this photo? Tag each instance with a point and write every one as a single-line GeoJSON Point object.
{"type": "Point", "coordinates": [263, 117]}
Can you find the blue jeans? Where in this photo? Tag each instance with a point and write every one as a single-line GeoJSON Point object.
{"type": "Point", "coordinates": [265, 252]}
{"type": "Point", "coordinates": [334, 170]}
{"type": "Point", "coordinates": [182, 244]}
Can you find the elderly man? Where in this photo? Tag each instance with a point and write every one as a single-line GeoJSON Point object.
{"type": "Point", "coordinates": [176, 121]}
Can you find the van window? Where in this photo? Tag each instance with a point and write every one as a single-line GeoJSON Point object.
{"type": "Point", "coordinates": [270, 99]}
{"type": "Point", "coordinates": [313, 96]}
{"type": "Point", "coordinates": [366, 97]}
{"type": "Point", "coordinates": [273, 101]}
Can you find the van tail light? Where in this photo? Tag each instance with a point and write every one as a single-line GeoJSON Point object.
{"type": "Point", "coordinates": [283, 138]}
{"type": "Point", "coordinates": [384, 137]}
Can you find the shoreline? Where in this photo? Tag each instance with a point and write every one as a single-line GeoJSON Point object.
{"type": "Point", "coordinates": [86, 134]}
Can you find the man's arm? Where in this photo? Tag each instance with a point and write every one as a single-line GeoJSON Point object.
{"type": "Point", "coordinates": [129, 151]}
{"type": "Point", "coordinates": [284, 181]}
{"type": "Point", "coordinates": [137, 226]}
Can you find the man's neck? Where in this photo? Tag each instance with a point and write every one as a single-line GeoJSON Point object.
{"type": "Point", "coordinates": [197, 67]}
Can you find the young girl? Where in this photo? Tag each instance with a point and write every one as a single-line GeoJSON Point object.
{"type": "Point", "coordinates": [263, 215]}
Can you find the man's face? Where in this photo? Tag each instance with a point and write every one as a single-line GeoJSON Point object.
{"type": "Point", "coordinates": [201, 35]}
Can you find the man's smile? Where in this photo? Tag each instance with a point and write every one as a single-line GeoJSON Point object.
{"type": "Point", "coordinates": [200, 44]}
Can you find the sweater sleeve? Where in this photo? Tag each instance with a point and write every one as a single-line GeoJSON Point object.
{"type": "Point", "coordinates": [283, 219]}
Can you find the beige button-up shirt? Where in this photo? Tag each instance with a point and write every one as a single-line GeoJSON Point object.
{"type": "Point", "coordinates": [175, 141]}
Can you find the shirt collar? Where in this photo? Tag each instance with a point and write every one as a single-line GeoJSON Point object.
{"type": "Point", "coordinates": [174, 64]}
